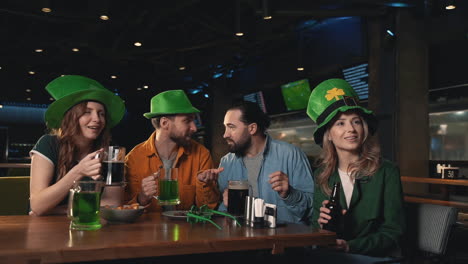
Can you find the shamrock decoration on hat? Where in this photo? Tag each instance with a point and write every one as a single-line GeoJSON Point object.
{"type": "Point", "coordinates": [331, 97]}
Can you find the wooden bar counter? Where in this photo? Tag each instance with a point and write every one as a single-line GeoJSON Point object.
{"type": "Point", "coordinates": [30, 239]}
{"type": "Point", "coordinates": [444, 183]}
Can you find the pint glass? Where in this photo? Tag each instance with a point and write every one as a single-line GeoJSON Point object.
{"type": "Point", "coordinates": [237, 191]}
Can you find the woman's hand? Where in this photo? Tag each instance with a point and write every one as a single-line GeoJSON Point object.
{"type": "Point", "coordinates": [324, 216]}
{"type": "Point", "coordinates": [342, 245]}
{"type": "Point", "coordinates": [90, 166]}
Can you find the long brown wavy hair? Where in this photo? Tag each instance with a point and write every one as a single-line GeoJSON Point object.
{"type": "Point", "coordinates": [67, 134]}
{"type": "Point", "coordinates": [367, 164]}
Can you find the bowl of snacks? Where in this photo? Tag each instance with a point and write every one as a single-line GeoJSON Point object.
{"type": "Point", "coordinates": [122, 214]}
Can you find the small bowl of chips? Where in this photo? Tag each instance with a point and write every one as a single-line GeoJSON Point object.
{"type": "Point", "coordinates": [122, 214]}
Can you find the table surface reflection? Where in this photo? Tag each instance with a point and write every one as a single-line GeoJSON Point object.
{"type": "Point", "coordinates": [48, 239]}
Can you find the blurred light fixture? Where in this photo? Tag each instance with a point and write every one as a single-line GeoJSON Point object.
{"type": "Point", "coordinates": [51, 99]}
{"type": "Point", "coordinates": [28, 90]}
{"type": "Point", "coordinates": [300, 44]}
{"type": "Point", "coordinates": [239, 32]}
{"type": "Point", "coordinates": [266, 10]}
{"type": "Point", "coordinates": [145, 86]}
{"type": "Point", "coordinates": [137, 44]}
{"type": "Point", "coordinates": [113, 77]}
{"type": "Point", "coordinates": [38, 50]}
{"type": "Point", "coordinates": [29, 98]}
{"type": "Point", "coordinates": [46, 8]}
{"type": "Point", "coordinates": [450, 5]}
{"type": "Point", "coordinates": [181, 68]}
{"type": "Point", "coordinates": [31, 72]}
{"type": "Point", "coordinates": [139, 89]}
{"type": "Point", "coordinates": [75, 49]}
{"type": "Point", "coordinates": [389, 32]}
{"type": "Point", "coordinates": [104, 17]}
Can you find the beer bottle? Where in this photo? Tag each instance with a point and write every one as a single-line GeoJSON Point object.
{"type": "Point", "coordinates": [334, 223]}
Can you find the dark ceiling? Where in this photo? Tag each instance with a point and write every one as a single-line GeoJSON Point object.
{"type": "Point", "coordinates": [192, 33]}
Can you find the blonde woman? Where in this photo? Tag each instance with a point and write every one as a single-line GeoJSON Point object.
{"type": "Point", "coordinates": [371, 193]}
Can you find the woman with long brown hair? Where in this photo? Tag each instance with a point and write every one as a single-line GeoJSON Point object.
{"type": "Point", "coordinates": [80, 120]}
{"type": "Point", "coordinates": [372, 221]}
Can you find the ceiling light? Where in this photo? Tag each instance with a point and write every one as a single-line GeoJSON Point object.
{"type": "Point", "coordinates": [239, 32]}
{"type": "Point", "coordinates": [181, 68]}
{"type": "Point", "coordinates": [75, 50]}
{"type": "Point", "coordinates": [137, 44]}
{"type": "Point", "coordinates": [139, 89]}
{"type": "Point", "coordinates": [28, 90]}
{"type": "Point", "coordinates": [31, 72]}
{"type": "Point", "coordinates": [113, 77]}
{"type": "Point", "coordinates": [39, 50]}
{"type": "Point", "coordinates": [450, 5]}
{"type": "Point", "coordinates": [51, 99]}
{"type": "Point", "coordinates": [46, 9]}
{"type": "Point", "coordinates": [29, 98]}
{"type": "Point", "coordinates": [145, 86]}
{"type": "Point", "coordinates": [266, 11]}
{"type": "Point", "coordinates": [300, 68]}
{"type": "Point", "coordinates": [104, 17]}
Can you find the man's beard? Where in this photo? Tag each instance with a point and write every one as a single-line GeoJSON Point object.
{"type": "Point", "coordinates": [180, 140]}
{"type": "Point", "coordinates": [239, 148]}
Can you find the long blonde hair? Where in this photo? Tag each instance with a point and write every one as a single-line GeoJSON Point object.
{"type": "Point", "coordinates": [66, 134]}
{"type": "Point", "coordinates": [367, 164]}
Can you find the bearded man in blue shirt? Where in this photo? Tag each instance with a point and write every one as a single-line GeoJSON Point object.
{"type": "Point", "coordinates": [277, 172]}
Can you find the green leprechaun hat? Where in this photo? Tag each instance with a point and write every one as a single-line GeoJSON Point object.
{"type": "Point", "coordinates": [170, 102]}
{"type": "Point", "coordinates": [69, 90]}
{"type": "Point", "coordinates": [330, 97]}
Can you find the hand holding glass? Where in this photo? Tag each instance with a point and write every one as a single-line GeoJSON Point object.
{"type": "Point", "coordinates": [168, 186]}
{"type": "Point", "coordinates": [113, 161]}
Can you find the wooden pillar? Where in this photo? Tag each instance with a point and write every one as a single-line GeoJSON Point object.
{"type": "Point", "coordinates": [412, 134]}
{"type": "Point", "coordinates": [222, 99]}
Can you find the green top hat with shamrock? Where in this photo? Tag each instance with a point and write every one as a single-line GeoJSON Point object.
{"type": "Point", "coordinates": [69, 90]}
{"type": "Point", "coordinates": [331, 97]}
{"type": "Point", "coordinates": [170, 102]}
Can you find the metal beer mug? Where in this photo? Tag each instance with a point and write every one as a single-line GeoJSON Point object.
{"type": "Point", "coordinates": [84, 205]}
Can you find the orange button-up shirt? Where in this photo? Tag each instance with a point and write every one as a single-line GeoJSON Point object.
{"type": "Point", "coordinates": [143, 160]}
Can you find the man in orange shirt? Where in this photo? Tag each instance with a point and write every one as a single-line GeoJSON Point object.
{"type": "Point", "coordinates": [171, 146]}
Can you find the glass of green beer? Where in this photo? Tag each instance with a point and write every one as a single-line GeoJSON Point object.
{"type": "Point", "coordinates": [84, 205]}
{"type": "Point", "coordinates": [168, 186]}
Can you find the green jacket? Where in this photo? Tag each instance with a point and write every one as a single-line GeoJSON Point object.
{"type": "Point", "coordinates": [374, 221]}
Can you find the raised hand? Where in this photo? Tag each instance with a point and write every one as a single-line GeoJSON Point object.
{"type": "Point", "coordinates": [209, 175]}
{"type": "Point", "coordinates": [90, 166]}
{"type": "Point", "coordinates": [280, 183]}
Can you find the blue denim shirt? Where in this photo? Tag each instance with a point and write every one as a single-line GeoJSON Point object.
{"type": "Point", "coordinates": [277, 156]}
